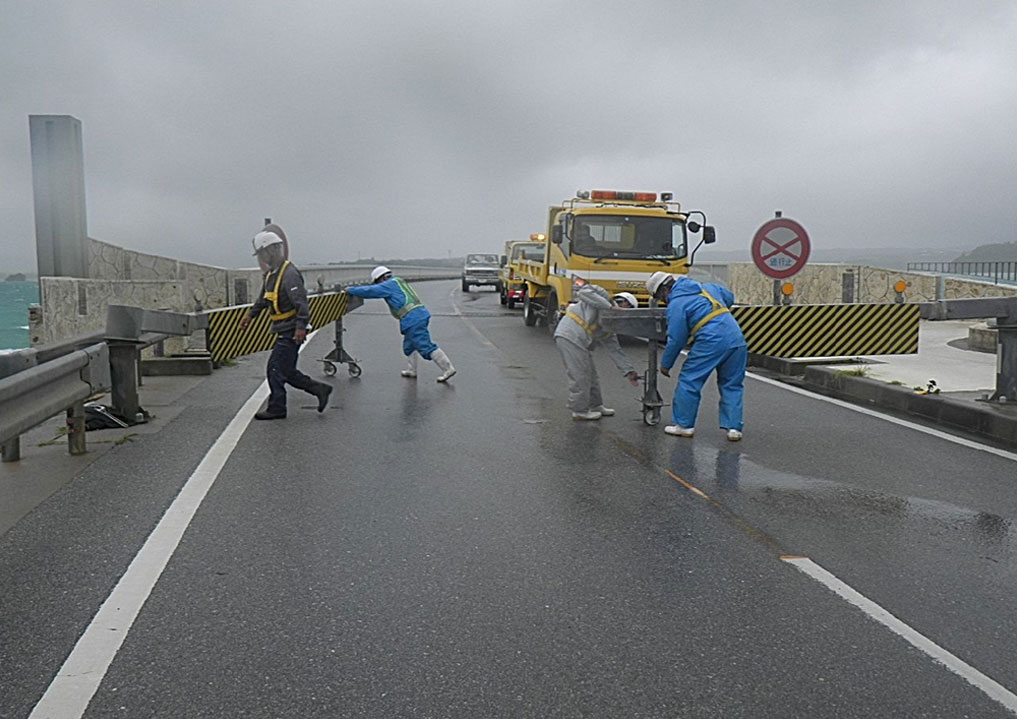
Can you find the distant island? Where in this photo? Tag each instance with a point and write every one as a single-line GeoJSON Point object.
{"type": "Point", "coordinates": [998, 252]}
{"type": "Point", "coordinates": [16, 277]}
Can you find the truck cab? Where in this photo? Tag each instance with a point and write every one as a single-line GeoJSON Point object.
{"type": "Point", "coordinates": [481, 268]}
{"type": "Point", "coordinates": [612, 239]}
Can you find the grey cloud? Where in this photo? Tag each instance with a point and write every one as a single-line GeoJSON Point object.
{"type": "Point", "coordinates": [416, 129]}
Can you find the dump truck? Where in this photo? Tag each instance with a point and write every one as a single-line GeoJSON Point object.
{"type": "Point", "coordinates": [612, 239]}
{"type": "Point", "coordinates": [515, 251]}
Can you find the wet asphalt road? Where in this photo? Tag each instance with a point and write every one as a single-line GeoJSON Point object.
{"type": "Point", "coordinates": [468, 550]}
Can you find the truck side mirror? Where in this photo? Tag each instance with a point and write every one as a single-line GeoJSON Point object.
{"type": "Point", "coordinates": [556, 234]}
{"type": "Point", "coordinates": [504, 260]}
{"type": "Point", "coordinates": [709, 235]}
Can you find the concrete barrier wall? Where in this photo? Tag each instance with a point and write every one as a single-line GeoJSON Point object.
{"type": "Point", "coordinates": [71, 306]}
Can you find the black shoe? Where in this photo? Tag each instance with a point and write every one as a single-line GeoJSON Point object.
{"type": "Point", "coordinates": [265, 414]}
{"type": "Point", "coordinates": [322, 393]}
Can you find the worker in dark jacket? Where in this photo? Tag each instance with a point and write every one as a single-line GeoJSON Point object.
{"type": "Point", "coordinates": [284, 295]}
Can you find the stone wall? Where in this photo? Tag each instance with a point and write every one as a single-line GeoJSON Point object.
{"type": "Point", "coordinates": [72, 307]}
{"type": "Point", "coordinates": [824, 284]}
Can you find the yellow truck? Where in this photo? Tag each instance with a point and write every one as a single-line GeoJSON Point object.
{"type": "Point", "coordinates": [612, 239]}
{"type": "Point", "coordinates": [516, 250]}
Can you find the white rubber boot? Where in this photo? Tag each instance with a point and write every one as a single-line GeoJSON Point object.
{"type": "Point", "coordinates": [441, 359]}
{"type": "Point", "coordinates": [411, 366]}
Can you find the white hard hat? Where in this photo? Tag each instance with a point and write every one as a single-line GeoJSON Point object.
{"type": "Point", "coordinates": [628, 297]}
{"type": "Point", "coordinates": [656, 280]}
{"type": "Point", "coordinates": [379, 271]}
{"type": "Point", "coordinates": [265, 239]}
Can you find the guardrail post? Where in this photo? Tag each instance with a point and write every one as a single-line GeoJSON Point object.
{"type": "Point", "coordinates": [76, 429]}
{"type": "Point", "coordinates": [11, 450]}
{"type": "Point", "coordinates": [123, 369]}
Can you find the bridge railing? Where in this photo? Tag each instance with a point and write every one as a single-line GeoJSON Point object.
{"type": "Point", "coordinates": [996, 271]}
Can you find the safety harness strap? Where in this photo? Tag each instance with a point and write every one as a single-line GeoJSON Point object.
{"type": "Point", "coordinates": [718, 309]}
{"type": "Point", "coordinates": [589, 329]}
{"type": "Point", "coordinates": [273, 296]}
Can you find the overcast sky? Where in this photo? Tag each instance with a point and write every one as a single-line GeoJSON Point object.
{"type": "Point", "coordinates": [422, 129]}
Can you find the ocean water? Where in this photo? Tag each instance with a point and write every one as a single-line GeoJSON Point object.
{"type": "Point", "coordinates": [15, 297]}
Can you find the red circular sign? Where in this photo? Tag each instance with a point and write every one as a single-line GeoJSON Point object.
{"type": "Point", "coordinates": [780, 248]}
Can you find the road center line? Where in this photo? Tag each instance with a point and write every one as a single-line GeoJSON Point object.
{"type": "Point", "coordinates": [993, 689]}
{"type": "Point", "coordinates": [71, 690]}
{"type": "Point", "coordinates": [888, 418]}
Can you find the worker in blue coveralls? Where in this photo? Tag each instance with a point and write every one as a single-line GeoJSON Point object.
{"type": "Point", "coordinates": [285, 297]}
{"type": "Point", "coordinates": [413, 318]}
{"type": "Point", "coordinates": [700, 314]}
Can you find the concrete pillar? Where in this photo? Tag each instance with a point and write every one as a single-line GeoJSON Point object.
{"type": "Point", "coordinates": [1006, 363]}
{"type": "Point", "coordinates": [58, 181]}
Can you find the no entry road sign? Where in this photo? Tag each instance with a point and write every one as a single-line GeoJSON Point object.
{"type": "Point", "coordinates": [780, 248]}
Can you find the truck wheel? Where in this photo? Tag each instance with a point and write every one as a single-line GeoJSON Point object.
{"type": "Point", "coordinates": [551, 312]}
{"type": "Point", "coordinates": [502, 297]}
{"type": "Point", "coordinates": [466, 287]}
{"type": "Point", "coordinates": [529, 312]}
{"type": "Point", "coordinates": [511, 303]}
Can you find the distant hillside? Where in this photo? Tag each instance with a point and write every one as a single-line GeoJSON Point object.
{"type": "Point", "coordinates": [999, 252]}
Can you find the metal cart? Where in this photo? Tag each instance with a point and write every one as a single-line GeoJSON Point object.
{"type": "Point", "coordinates": [649, 323]}
{"type": "Point", "coordinates": [338, 354]}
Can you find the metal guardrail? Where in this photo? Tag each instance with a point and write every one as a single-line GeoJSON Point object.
{"type": "Point", "coordinates": [1004, 309]}
{"type": "Point", "coordinates": [30, 397]}
{"type": "Point", "coordinates": [995, 271]}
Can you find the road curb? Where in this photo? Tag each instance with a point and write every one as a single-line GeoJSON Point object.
{"type": "Point", "coordinates": [981, 418]}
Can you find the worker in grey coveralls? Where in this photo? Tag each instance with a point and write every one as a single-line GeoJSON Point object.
{"type": "Point", "coordinates": [285, 298]}
{"type": "Point", "coordinates": [577, 334]}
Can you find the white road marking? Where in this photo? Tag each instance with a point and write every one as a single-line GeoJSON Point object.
{"type": "Point", "coordinates": [888, 418]}
{"type": "Point", "coordinates": [993, 689]}
{"type": "Point", "coordinates": [71, 690]}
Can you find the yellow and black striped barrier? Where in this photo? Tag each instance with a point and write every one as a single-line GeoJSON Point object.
{"type": "Point", "coordinates": [829, 330]}
{"type": "Point", "coordinates": [226, 340]}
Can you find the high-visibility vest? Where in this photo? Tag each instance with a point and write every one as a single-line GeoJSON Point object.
{"type": "Point", "coordinates": [718, 309]}
{"type": "Point", "coordinates": [273, 296]}
{"type": "Point", "coordinates": [412, 301]}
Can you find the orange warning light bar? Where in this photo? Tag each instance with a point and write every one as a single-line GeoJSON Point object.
{"type": "Point", "coordinates": [629, 196]}
{"type": "Point", "coordinates": [538, 237]}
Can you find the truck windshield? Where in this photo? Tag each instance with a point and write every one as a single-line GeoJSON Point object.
{"type": "Point", "coordinates": [528, 252]}
{"type": "Point", "coordinates": [482, 259]}
{"type": "Point", "coordinates": [628, 236]}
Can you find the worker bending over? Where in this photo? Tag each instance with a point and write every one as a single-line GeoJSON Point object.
{"type": "Point", "coordinates": [577, 334]}
{"type": "Point", "coordinates": [284, 295]}
{"type": "Point", "coordinates": [413, 318]}
{"type": "Point", "coordinates": [701, 314]}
